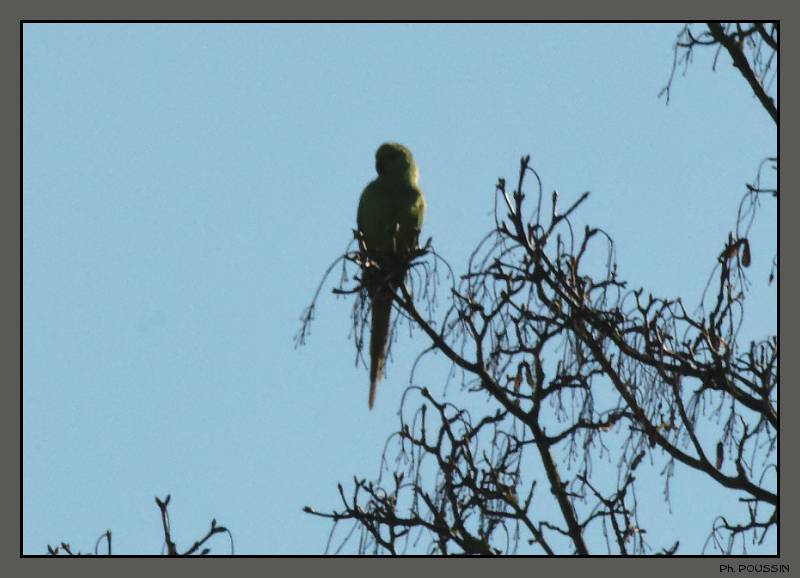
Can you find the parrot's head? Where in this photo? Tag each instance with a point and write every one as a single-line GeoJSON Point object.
{"type": "Point", "coordinates": [395, 160]}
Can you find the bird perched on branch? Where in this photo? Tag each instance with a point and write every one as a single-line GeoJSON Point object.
{"type": "Point", "coordinates": [389, 220]}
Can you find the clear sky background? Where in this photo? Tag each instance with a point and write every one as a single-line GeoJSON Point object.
{"type": "Point", "coordinates": [186, 186]}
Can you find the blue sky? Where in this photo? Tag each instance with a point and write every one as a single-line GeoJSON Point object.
{"type": "Point", "coordinates": [185, 187]}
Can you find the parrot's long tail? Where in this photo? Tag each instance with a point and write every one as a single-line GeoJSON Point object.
{"type": "Point", "coordinates": [381, 310]}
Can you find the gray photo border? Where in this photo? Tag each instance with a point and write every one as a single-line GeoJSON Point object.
{"type": "Point", "coordinates": [359, 10]}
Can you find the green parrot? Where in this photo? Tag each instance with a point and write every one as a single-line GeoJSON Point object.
{"type": "Point", "coordinates": [389, 218]}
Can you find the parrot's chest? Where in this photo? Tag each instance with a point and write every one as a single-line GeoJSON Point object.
{"type": "Point", "coordinates": [390, 219]}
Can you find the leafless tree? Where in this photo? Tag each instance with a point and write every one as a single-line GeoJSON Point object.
{"type": "Point", "coordinates": [199, 548]}
{"type": "Point", "coordinates": [573, 384]}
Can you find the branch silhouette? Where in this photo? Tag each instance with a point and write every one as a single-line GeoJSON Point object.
{"type": "Point", "coordinates": [573, 385]}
